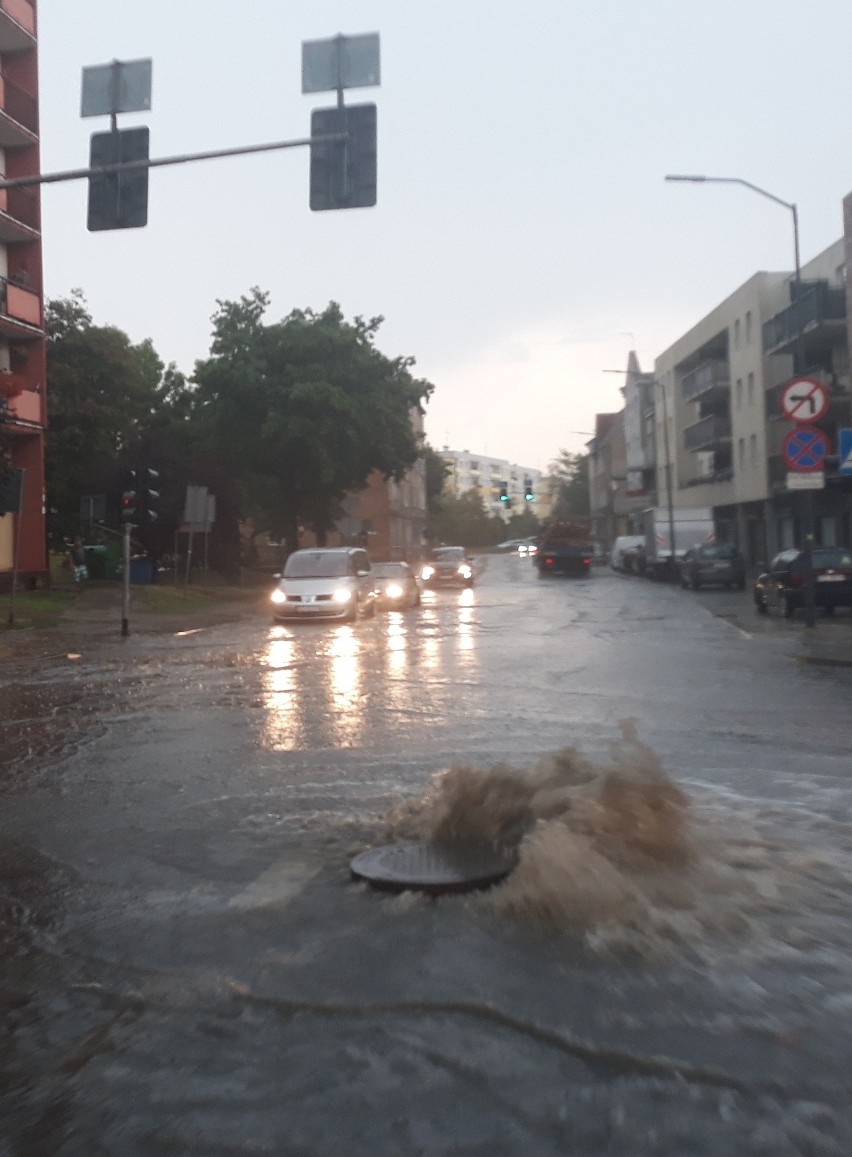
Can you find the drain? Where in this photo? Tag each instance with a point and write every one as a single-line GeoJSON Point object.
{"type": "Point", "coordinates": [432, 868]}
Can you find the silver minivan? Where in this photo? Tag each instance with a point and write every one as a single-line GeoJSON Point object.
{"type": "Point", "coordinates": [325, 583]}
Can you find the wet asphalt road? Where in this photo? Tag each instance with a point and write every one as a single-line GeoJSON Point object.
{"type": "Point", "coordinates": [188, 968]}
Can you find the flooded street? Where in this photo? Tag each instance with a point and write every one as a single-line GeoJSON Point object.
{"type": "Point", "coordinates": [187, 965]}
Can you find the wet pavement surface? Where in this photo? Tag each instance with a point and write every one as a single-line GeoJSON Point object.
{"type": "Point", "coordinates": [188, 967]}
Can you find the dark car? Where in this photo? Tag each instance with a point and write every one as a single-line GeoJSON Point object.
{"type": "Point", "coordinates": [448, 566]}
{"type": "Point", "coordinates": [713, 565]}
{"type": "Point", "coordinates": [396, 585]}
{"type": "Point", "coordinates": [783, 585]}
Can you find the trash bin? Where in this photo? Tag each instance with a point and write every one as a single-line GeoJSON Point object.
{"type": "Point", "coordinates": [141, 570]}
{"type": "Point", "coordinates": [96, 561]}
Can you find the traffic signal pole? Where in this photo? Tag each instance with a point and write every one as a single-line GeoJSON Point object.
{"type": "Point", "coordinates": [160, 162]}
{"type": "Point", "coordinates": [125, 585]}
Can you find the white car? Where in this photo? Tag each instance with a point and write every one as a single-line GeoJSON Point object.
{"type": "Point", "coordinates": [325, 583]}
{"type": "Point", "coordinates": [623, 543]}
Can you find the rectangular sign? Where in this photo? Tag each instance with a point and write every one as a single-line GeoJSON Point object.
{"type": "Point", "coordinates": [341, 62]}
{"type": "Point", "coordinates": [844, 452]}
{"type": "Point", "coordinates": [120, 86]}
{"type": "Point", "coordinates": [815, 480]}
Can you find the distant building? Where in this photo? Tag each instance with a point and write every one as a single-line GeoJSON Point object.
{"type": "Point", "coordinates": [471, 471]}
{"type": "Point", "coordinates": [608, 479]}
{"type": "Point", "coordinates": [22, 337]}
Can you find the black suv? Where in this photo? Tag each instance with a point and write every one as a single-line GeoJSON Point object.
{"type": "Point", "coordinates": [712, 565]}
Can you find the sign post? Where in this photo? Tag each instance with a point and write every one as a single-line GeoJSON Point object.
{"type": "Point", "coordinates": [805, 448]}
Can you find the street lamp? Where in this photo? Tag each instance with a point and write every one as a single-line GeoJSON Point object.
{"type": "Point", "coordinates": [798, 358]}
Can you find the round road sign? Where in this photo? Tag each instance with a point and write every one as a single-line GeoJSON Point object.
{"type": "Point", "coordinates": [805, 448]}
{"type": "Point", "coordinates": [804, 400]}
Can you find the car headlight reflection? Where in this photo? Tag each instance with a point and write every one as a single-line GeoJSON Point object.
{"type": "Point", "coordinates": [342, 595]}
{"type": "Point", "coordinates": [278, 597]}
{"type": "Point", "coordinates": [427, 572]}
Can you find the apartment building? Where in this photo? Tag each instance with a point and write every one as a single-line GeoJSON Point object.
{"type": "Point", "coordinates": [22, 338]}
{"type": "Point", "coordinates": [640, 443]}
{"type": "Point", "coordinates": [472, 471]}
{"type": "Point", "coordinates": [712, 391]}
{"type": "Point", "coordinates": [608, 503]}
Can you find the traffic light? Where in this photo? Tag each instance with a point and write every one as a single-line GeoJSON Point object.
{"type": "Point", "coordinates": [118, 200]}
{"type": "Point", "coordinates": [129, 498]}
{"type": "Point", "coordinates": [149, 496]}
{"type": "Point", "coordinates": [529, 494]}
{"type": "Point", "coordinates": [504, 494]}
{"type": "Point", "coordinates": [343, 173]}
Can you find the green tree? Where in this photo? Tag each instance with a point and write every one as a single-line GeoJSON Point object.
{"type": "Point", "coordinates": [571, 475]}
{"type": "Point", "coordinates": [103, 392]}
{"type": "Point", "coordinates": [464, 521]}
{"type": "Point", "coordinates": [304, 410]}
{"type": "Point", "coordinates": [437, 469]}
{"type": "Point", "coordinates": [523, 524]}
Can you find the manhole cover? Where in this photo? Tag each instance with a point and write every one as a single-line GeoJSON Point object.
{"type": "Point", "coordinates": [431, 868]}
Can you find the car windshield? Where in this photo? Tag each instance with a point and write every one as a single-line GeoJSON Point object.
{"type": "Point", "coordinates": [718, 552]}
{"type": "Point", "coordinates": [390, 569]}
{"type": "Point", "coordinates": [316, 564]}
{"type": "Point", "coordinates": [832, 557]}
{"type": "Point", "coordinates": [448, 554]}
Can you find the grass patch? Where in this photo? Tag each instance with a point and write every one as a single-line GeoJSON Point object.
{"type": "Point", "coordinates": [36, 608]}
{"type": "Point", "coordinates": [170, 600]}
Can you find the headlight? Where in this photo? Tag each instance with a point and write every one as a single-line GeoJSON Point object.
{"type": "Point", "coordinates": [343, 595]}
{"type": "Point", "coordinates": [427, 572]}
{"type": "Point", "coordinates": [278, 597]}
{"type": "Point", "coordinates": [394, 591]}
{"type": "Point", "coordinates": [465, 571]}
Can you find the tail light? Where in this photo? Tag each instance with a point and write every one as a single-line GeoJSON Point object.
{"type": "Point", "coordinates": [587, 562]}
{"type": "Point", "coordinates": [548, 560]}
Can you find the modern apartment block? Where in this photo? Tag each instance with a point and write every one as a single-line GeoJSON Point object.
{"type": "Point", "coordinates": [715, 379]}
{"type": "Point", "coordinates": [22, 337]}
{"type": "Point", "coordinates": [471, 471]}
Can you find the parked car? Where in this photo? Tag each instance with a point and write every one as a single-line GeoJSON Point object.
{"type": "Point", "coordinates": [622, 543]}
{"type": "Point", "coordinates": [448, 566]}
{"type": "Point", "coordinates": [712, 565]}
{"type": "Point", "coordinates": [396, 586]}
{"type": "Point", "coordinates": [325, 583]}
{"type": "Point", "coordinates": [782, 586]}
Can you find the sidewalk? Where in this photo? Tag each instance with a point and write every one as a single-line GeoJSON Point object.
{"type": "Point", "coordinates": [828, 643]}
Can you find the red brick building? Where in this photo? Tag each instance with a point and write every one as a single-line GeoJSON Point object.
{"type": "Point", "coordinates": [22, 337]}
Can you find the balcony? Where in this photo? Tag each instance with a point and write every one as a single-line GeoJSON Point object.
{"type": "Point", "coordinates": [25, 408]}
{"type": "Point", "coordinates": [18, 116]}
{"type": "Point", "coordinates": [17, 26]}
{"type": "Point", "coordinates": [20, 313]}
{"type": "Point", "coordinates": [819, 315]}
{"type": "Point", "coordinates": [19, 216]}
{"type": "Point", "coordinates": [708, 379]}
{"type": "Point", "coordinates": [709, 433]}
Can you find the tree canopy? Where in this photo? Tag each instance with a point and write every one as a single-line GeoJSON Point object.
{"type": "Point", "coordinates": [571, 495]}
{"type": "Point", "coordinates": [304, 410]}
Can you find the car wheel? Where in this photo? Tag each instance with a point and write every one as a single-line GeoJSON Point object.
{"type": "Point", "coordinates": [761, 607]}
{"type": "Point", "coordinates": [789, 606]}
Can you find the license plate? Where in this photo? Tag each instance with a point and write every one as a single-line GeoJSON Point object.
{"type": "Point", "coordinates": [831, 578]}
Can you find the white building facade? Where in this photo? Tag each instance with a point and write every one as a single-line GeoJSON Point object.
{"type": "Point", "coordinates": [472, 471]}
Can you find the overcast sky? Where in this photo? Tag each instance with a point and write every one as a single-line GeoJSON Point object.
{"type": "Point", "coordinates": [524, 238]}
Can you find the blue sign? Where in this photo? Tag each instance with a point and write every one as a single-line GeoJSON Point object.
{"type": "Point", "coordinates": [804, 449]}
{"type": "Point", "coordinates": [844, 451]}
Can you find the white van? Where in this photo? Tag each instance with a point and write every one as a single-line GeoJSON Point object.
{"type": "Point", "coordinates": [621, 544]}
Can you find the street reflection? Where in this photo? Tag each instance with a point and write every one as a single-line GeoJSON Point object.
{"type": "Point", "coordinates": [465, 639]}
{"type": "Point", "coordinates": [345, 683]}
{"type": "Point", "coordinates": [284, 726]}
{"type": "Point", "coordinates": [312, 694]}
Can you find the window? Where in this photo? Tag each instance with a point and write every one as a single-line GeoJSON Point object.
{"type": "Point", "coordinates": [748, 327]}
{"type": "Point", "coordinates": [751, 389]}
{"type": "Point", "coordinates": [739, 393]}
{"type": "Point", "coordinates": [737, 329]}
{"type": "Point", "coordinates": [752, 448]}
{"type": "Point", "coordinates": [742, 453]}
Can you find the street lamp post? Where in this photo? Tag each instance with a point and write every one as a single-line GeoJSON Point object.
{"type": "Point", "coordinates": [798, 358]}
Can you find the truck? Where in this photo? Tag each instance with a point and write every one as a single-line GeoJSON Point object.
{"type": "Point", "coordinates": [693, 526]}
{"type": "Point", "coordinates": [565, 546]}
